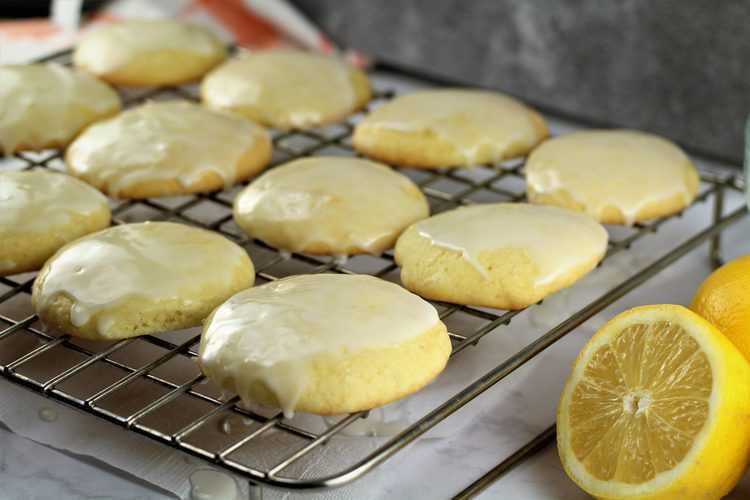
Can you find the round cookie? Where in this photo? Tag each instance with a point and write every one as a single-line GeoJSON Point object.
{"type": "Point", "coordinates": [46, 105]}
{"type": "Point", "coordinates": [138, 279]}
{"type": "Point", "coordinates": [42, 211]}
{"type": "Point", "coordinates": [330, 206]}
{"type": "Point", "coordinates": [502, 255]}
{"type": "Point", "coordinates": [324, 343]}
{"type": "Point", "coordinates": [168, 148]}
{"type": "Point", "coordinates": [149, 52]}
{"type": "Point", "coordinates": [617, 176]}
{"type": "Point", "coordinates": [449, 128]}
{"type": "Point", "coordinates": [287, 89]}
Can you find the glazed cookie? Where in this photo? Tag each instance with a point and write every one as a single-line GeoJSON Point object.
{"type": "Point", "coordinates": [45, 105]}
{"type": "Point", "coordinates": [330, 206]}
{"type": "Point", "coordinates": [502, 255]}
{"type": "Point", "coordinates": [137, 279]}
{"type": "Point", "coordinates": [42, 211]}
{"type": "Point", "coordinates": [449, 128]}
{"type": "Point", "coordinates": [168, 148]}
{"type": "Point", "coordinates": [324, 343]}
{"type": "Point", "coordinates": [617, 176]}
{"type": "Point", "coordinates": [149, 52]}
{"type": "Point", "coordinates": [287, 89]}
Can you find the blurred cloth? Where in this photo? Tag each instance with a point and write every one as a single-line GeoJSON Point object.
{"type": "Point", "coordinates": [253, 24]}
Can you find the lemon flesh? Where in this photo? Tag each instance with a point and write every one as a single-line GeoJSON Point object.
{"type": "Point", "coordinates": [643, 399]}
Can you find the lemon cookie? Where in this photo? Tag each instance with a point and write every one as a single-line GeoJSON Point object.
{"type": "Point", "coordinates": [330, 206]}
{"type": "Point", "coordinates": [287, 88]}
{"type": "Point", "coordinates": [617, 176]}
{"type": "Point", "coordinates": [503, 255]}
{"type": "Point", "coordinates": [168, 148]}
{"type": "Point", "coordinates": [137, 279]}
{"type": "Point", "coordinates": [449, 128]}
{"type": "Point", "coordinates": [324, 343]}
{"type": "Point", "coordinates": [42, 211]}
{"type": "Point", "coordinates": [46, 105]}
{"type": "Point", "coordinates": [149, 52]}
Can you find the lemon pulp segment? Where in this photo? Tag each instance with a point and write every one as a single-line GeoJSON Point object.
{"type": "Point", "coordinates": [642, 400]}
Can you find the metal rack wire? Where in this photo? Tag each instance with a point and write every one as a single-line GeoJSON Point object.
{"type": "Point", "coordinates": [445, 189]}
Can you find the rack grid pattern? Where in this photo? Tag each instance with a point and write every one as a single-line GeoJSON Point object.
{"type": "Point", "coordinates": [445, 189]}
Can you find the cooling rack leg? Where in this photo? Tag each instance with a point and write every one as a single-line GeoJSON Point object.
{"type": "Point", "coordinates": [537, 444]}
{"type": "Point", "coordinates": [254, 491]}
{"type": "Point", "coordinates": [715, 251]}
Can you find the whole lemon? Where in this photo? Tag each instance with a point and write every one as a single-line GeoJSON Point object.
{"type": "Point", "coordinates": [724, 300]}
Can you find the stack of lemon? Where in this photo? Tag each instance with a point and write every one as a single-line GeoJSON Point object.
{"type": "Point", "coordinates": [658, 403]}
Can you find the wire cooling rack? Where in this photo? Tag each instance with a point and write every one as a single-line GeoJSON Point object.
{"type": "Point", "coordinates": [100, 379]}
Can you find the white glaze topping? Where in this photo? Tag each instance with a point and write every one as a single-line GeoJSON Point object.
{"type": "Point", "coordinates": [210, 484]}
{"type": "Point", "coordinates": [344, 203]}
{"type": "Point", "coordinates": [377, 423]}
{"type": "Point", "coordinates": [282, 88]}
{"type": "Point", "coordinates": [109, 47]}
{"type": "Point", "coordinates": [37, 201]}
{"type": "Point", "coordinates": [270, 333]}
{"type": "Point", "coordinates": [556, 239]}
{"type": "Point", "coordinates": [48, 103]}
{"type": "Point", "coordinates": [624, 169]}
{"type": "Point", "coordinates": [159, 261]}
{"type": "Point", "coordinates": [162, 140]}
{"type": "Point", "coordinates": [475, 122]}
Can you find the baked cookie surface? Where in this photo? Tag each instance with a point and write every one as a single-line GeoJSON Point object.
{"type": "Point", "coordinates": [287, 89]}
{"type": "Point", "coordinates": [42, 211]}
{"type": "Point", "coordinates": [330, 205]}
{"type": "Point", "coordinates": [149, 52]}
{"type": "Point", "coordinates": [137, 279]}
{"type": "Point", "coordinates": [324, 343]}
{"type": "Point", "coordinates": [617, 176]}
{"type": "Point", "coordinates": [168, 148]}
{"type": "Point", "coordinates": [45, 105]}
{"type": "Point", "coordinates": [449, 128]}
{"type": "Point", "coordinates": [502, 255]}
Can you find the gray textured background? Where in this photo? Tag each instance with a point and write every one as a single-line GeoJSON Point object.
{"type": "Point", "coordinates": [678, 68]}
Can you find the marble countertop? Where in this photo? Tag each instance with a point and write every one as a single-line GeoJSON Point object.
{"type": "Point", "coordinates": [458, 451]}
{"type": "Point", "coordinates": [32, 471]}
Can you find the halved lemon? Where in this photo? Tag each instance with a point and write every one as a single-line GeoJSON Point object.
{"type": "Point", "coordinates": [657, 407]}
